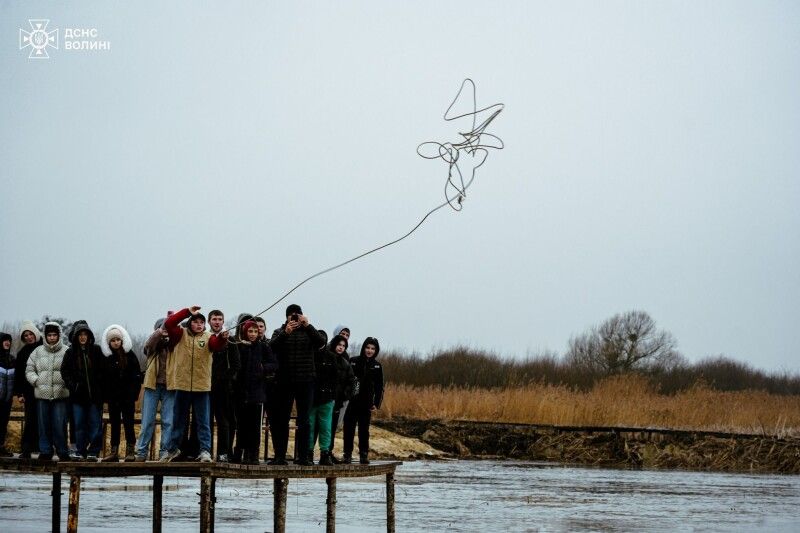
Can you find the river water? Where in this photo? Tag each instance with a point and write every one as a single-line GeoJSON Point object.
{"type": "Point", "coordinates": [437, 496]}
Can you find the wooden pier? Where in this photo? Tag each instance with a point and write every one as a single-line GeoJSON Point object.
{"type": "Point", "coordinates": [207, 473]}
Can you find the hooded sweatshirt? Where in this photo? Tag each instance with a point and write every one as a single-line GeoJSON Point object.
{"type": "Point", "coordinates": [370, 375]}
{"type": "Point", "coordinates": [43, 370]}
{"type": "Point", "coordinates": [122, 379]}
{"type": "Point", "coordinates": [156, 351]}
{"type": "Point", "coordinates": [21, 385]}
{"type": "Point", "coordinates": [82, 368]}
{"type": "Point", "coordinates": [6, 370]}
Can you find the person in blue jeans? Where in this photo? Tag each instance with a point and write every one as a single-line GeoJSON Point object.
{"type": "Point", "coordinates": [156, 350]}
{"type": "Point", "coordinates": [43, 372]}
{"type": "Point", "coordinates": [189, 375]}
{"type": "Point", "coordinates": [82, 372]}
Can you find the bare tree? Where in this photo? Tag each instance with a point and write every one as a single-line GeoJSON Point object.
{"type": "Point", "coordinates": [623, 342]}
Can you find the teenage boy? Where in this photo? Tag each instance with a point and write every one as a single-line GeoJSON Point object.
{"type": "Point", "coordinates": [156, 351]}
{"type": "Point", "coordinates": [189, 375]}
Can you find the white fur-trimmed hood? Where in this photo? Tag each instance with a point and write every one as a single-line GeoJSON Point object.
{"type": "Point", "coordinates": [127, 343]}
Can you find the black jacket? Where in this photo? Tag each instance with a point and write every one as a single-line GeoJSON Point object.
{"type": "Point", "coordinates": [6, 359]}
{"type": "Point", "coordinates": [259, 366]}
{"type": "Point", "coordinates": [369, 373]}
{"type": "Point", "coordinates": [82, 370]}
{"type": "Point", "coordinates": [346, 382]}
{"type": "Point", "coordinates": [327, 376]}
{"type": "Point", "coordinates": [225, 366]}
{"type": "Point", "coordinates": [6, 363]}
{"type": "Point", "coordinates": [21, 386]}
{"type": "Point", "coordinates": [295, 352]}
{"type": "Point", "coordinates": [122, 384]}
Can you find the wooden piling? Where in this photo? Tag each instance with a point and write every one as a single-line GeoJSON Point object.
{"type": "Point", "coordinates": [330, 519]}
{"type": "Point", "coordinates": [279, 509]}
{"type": "Point", "coordinates": [158, 487]}
{"type": "Point", "coordinates": [213, 502]}
{"type": "Point", "coordinates": [56, 511]}
{"type": "Point", "coordinates": [390, 502]}
{"type": "Point", "coordinates": [74, 503]}
{"type": "Point", "coordinates": [205, 504]}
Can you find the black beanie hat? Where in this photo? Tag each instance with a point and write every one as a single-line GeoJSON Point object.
{"type": "Point", "coordinates": [293, 308]}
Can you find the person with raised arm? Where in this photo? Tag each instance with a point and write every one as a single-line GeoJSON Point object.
{"type": "Point", "coordinates": [189, 375]}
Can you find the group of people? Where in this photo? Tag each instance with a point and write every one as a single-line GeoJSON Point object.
{"type": "Point", "coordinates": [191, 374]}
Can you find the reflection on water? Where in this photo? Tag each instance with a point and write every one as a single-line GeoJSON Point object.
{"type": "Point", "coordinates": [437, 496]}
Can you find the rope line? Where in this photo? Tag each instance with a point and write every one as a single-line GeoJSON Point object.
{"type": "Point", "coordinates": [455, 189]}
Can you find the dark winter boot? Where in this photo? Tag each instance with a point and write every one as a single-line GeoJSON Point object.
{"type": "Point", "coordinates": [113, 456]}
{"type": "Point", "coordinates": [363, 459]}
{"type": "Point", "coordinates": [325, 459]}
{"type": "Point", "coordinates": [130, 453]}
{"type": "Point", "coordinates": [237, 455]}
{"type": "Point", "coordinates": [278, 460]}
{"type": "Point", "coordinates": [347, 458]}
{"type": "Point", "coordinates": [302, 460]}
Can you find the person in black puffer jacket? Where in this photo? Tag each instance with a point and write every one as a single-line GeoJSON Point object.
{"type": "Point", "coordinates": [369, 373]}
{"type": "Point", "coordinates": [31, 339]}
{"type": "Point", "coordinates": [7, 378]}
{"type": "Point", "coordinates": [295, 344]}
{"type": "Point", "coordinates": [258, 366]}
{"type": "Point", "coordinates": [122, 384]}
{"type": "Point", "coordinates": [82, 370]}
{"type": "Point", "coordinates": [346, 386]}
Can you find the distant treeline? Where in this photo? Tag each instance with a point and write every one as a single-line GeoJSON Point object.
{"type": "Point", "coordinates": [466, 367]}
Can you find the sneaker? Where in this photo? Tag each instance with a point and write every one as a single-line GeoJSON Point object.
{"type": "Point", "coordinates": [223, 458]}
{"type": "Point", "coordinates": [170, 456]}
{"type": "Point", "coordinates": [91, 458]}
{"type": "Point", "coordinates": [75, 456]}
{"type": "Point", "coordinates": [205, 457]}
{"type": "Point", "coordinates": [139, 458]}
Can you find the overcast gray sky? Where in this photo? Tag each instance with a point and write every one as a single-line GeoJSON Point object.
{"type": "Point", "coordinates": [217, 156]}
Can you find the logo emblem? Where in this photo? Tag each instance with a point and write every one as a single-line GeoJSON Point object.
{"type": "Point", "coordinates": [39, 39]}
{"type": "Point", "coordinates": [201, 344]}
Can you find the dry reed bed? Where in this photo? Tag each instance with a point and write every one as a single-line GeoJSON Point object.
{"type": "Point", "coordinates": [617, 401]}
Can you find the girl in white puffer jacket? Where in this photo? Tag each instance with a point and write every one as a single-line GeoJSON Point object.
{"type": "Point", "coordinates": [44, 373]}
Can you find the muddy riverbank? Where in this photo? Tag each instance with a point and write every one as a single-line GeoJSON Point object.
{"type": "Point", "coordinates": [607, 447]}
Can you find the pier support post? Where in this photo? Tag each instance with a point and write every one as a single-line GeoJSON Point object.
{"type": "Point", "coordinates": [390, 502]}
{"type": "Point", "coordinates": [158, 486]}
{"type": "Point", "coordinates": [74, 503]}
{"type": "Point", "coordinates": [279, 509]}
{"type": "Point", "coordinates": [213, 501]}
{"type": "Point", "coordinates": [205, 504]}
{"type": "Point", "coordinates": [330, 519]}
{"type": "Point", "coordinates": [56, 494]}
